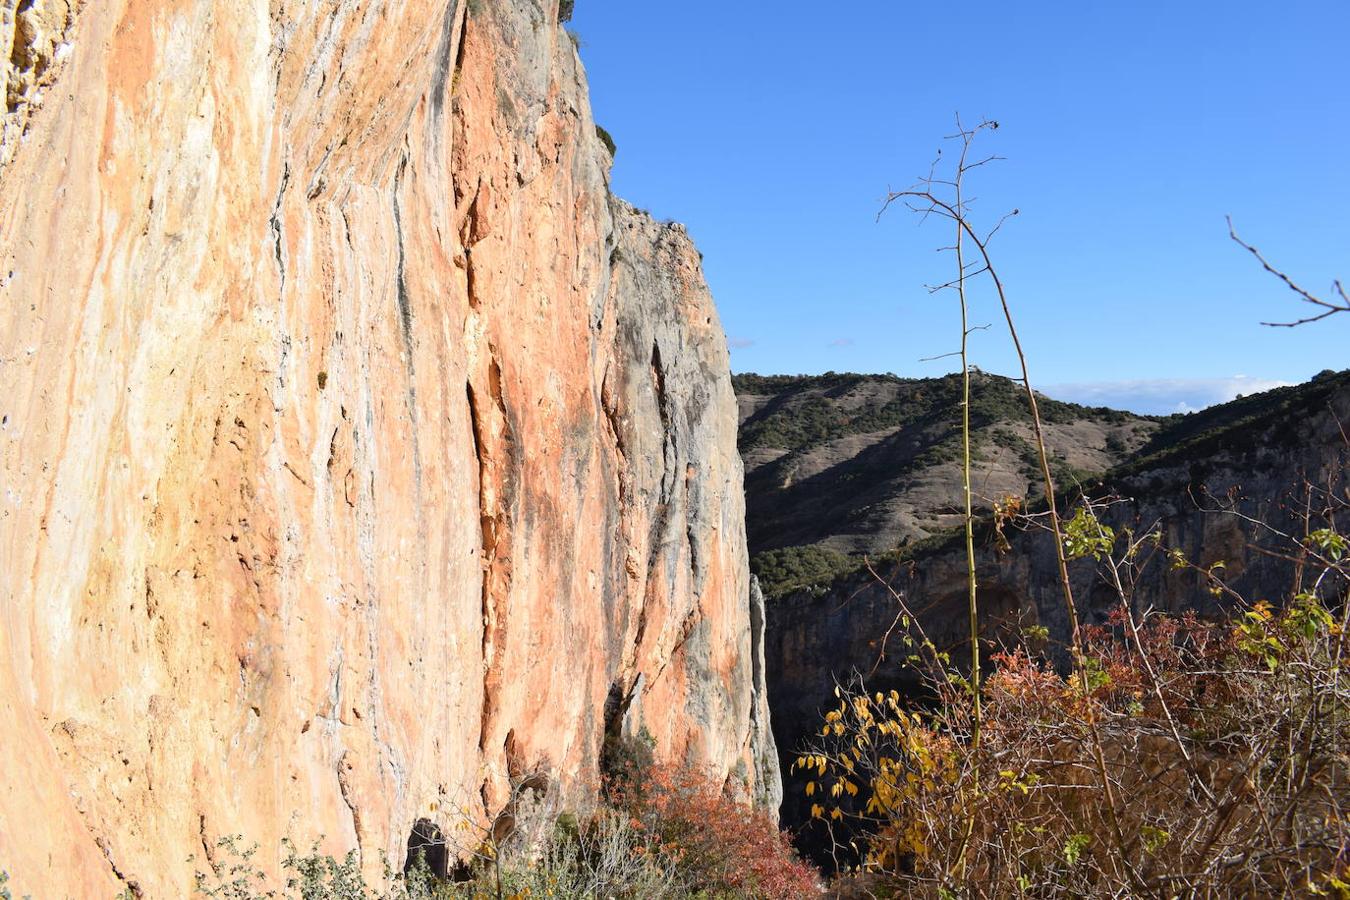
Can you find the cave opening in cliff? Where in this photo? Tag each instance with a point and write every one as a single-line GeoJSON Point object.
{"type": "Point", "coordinates": [426, 842]}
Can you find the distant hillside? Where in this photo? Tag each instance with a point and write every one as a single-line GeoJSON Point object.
{"type": "Point", "coordinates": [843, 464]}
{"type": "Point", "coordinates": [1237, 425]}
{"type": "Point", "coordinates": [838, 466]}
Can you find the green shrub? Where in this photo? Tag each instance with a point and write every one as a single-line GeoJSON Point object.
{"type": "Point", "coordinates": [626, 760]}
{"type": "Point", "coordinates": [788, 569]}
{"type": "Point", "coordinates": [607, 139]}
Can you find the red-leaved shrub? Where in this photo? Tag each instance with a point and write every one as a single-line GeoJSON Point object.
{"type": "Point", "coordinates": [720, 846]}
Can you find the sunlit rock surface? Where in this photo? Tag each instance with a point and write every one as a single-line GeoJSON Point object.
{"type": "Point", "coordinates": [356, 447]}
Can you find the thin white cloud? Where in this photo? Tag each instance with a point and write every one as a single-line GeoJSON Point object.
{"type": "Point", "coordinates": [739, 343]}
{"type": "Point", "coordinates": [1160, 396]}
{"type": "Point", "coordinates": [842, 342]}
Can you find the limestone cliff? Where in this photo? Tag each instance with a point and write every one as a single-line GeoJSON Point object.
{"type": "Point", "coordinates": [356, 445]}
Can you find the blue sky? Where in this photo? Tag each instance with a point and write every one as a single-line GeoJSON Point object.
{"type": "Point", "coordinates": [1130, 130]}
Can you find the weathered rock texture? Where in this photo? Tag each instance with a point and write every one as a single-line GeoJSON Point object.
{"type": "Point", "coordinates": [356, 446]}
{"type": "Point", "coordinates": [1211, 489]}
{"type": "Point", "coordinates": [36, 38]}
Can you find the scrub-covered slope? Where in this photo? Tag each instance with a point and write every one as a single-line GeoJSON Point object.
{"type": "Point", "coordinates": [838, 465]}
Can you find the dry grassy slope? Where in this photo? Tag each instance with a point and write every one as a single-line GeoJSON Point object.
{"type": "Point", "coordinates": [856, 463]}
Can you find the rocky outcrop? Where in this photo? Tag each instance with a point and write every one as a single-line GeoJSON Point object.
{"type": "Point", "coordinates": [1224, 486]}
{"type": "Point", "coordinates": [356, 445]}
{"type": "Point", "coordinates": [768, 772]}
{"type": "Point", "coordinates": [36, 36]}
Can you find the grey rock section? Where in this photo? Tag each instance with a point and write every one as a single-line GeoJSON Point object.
{"type": "Point", "coordinates": [768, 772]}
{"type": "Point", "coordinates": [671, 407]}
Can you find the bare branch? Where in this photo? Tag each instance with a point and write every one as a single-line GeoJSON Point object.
{"type": "Point", "coordinates": [1330, 308]}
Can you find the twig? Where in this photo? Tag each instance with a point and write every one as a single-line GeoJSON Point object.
{"type": "Point", "coordinates": [1329, 308]}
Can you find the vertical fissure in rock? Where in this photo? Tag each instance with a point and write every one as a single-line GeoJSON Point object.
{"type": "Point", "coordinates": [449, 52]}
{"type": "Point", "coordinates": [405, 316]}
{"type": "Point", "coordinates": [690, 538]}
{"type": "Point", "coordinates": [663, 407]}
{"type": "Point", "coordinates": [208, 851]}
{"type": "Point", "coordinates": [274, 222]}
{"type": "Point", "coordinates": [496, 453]}
{"type": "Point", "coordinates": [472, 230]}
{"type": "Point", "coordinates": [332, 447]}
{"type": "Point", "coordinates": [133, 886]}
{"type": "Point", "coordinates": [609, 405]}
{"type": "Point", "coordinates": [404, 302]}
{"type": "Point", "coordinates": [470, 280]}
{"type": "Point", "coordinates": [476, 427]}
{"type": "Point", "coordinates": [604, 298]}
{"type": "Point", "coordinates": [641, 632]}
{"type": "Point", "coordinates": [344, 788]}
{"type": "Point", "coordinates": [661, 512]}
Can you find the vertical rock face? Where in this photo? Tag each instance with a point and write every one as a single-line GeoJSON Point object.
{"type": "Point", "coordinates": [356, 445]}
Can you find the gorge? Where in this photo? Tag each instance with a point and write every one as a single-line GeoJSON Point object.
{"type": "Point", "coordinates": [847, 468]}
{"type": "Point", "coordinates": [364, 457]}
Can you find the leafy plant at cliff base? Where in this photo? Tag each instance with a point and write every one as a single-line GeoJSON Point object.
{"type": "Point", "coordinates": [1228, 742]}
{"type": "Point", "coordinates": [662, 833]}
{"type": "Point", "coordinates": [717, 847]}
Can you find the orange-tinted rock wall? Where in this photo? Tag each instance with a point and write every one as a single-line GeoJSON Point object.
{"type": "Point", "coordinates": [357, 445]}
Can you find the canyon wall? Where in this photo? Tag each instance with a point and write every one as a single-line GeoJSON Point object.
{"type": "Point", "coordinates": [1234, 487]}
{"type": "Point", "coordinates": [359, 452]}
